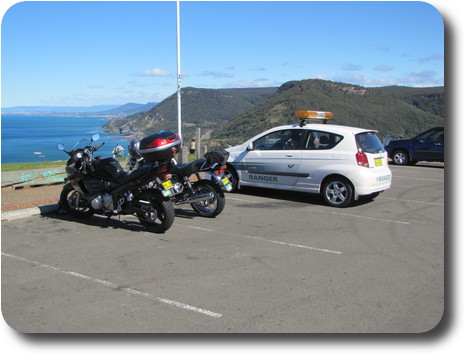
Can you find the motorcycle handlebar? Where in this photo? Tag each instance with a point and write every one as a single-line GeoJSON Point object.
{"type": "Point", "coordinates": [97, 147]}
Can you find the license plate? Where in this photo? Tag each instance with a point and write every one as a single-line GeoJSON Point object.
{"type": "Point", "coordinates": [167, 184]}
{"type": "Point", "coordinates": [166, 193]}
{"type": "Point", "coordinates": [227, 183]}
{"type": "Point", "coordinates": [378, 162]}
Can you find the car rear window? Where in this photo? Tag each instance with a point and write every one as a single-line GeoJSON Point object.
{"type": "Point", "coordinates": [369, 142]}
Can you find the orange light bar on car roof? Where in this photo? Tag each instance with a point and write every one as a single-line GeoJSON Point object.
{"type": "Point", "coordinates": [312, 114]}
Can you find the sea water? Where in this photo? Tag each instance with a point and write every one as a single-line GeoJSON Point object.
{"type": "Point", "coordinates": [34, 138]}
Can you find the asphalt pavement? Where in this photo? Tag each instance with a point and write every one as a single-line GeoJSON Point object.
{"type": "Point", "coordinates": [272, 262]}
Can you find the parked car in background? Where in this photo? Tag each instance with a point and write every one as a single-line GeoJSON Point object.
{"type": "Point", "coordinates": [428, 146]}
{"type": "Point", "coordinates": [341, 163]}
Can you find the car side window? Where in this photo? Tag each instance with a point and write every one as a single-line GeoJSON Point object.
{"type": "Point", "coordinates": [321, 140]}
{"type": "Point", "coordinates": [438, 136]}
{"type": "Point", "coordinates": [432, 136]}
{"type": "Point", "coordinates": [280, 140]}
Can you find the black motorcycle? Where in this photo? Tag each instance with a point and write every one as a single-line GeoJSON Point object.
{"type": "Point", "coordinates": [101, 186]}
{"type": "Point", "coordinates": [200, 183]}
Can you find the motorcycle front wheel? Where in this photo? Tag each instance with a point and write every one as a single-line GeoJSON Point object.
{"type": "Point", "coordinates": [157, 215]}
{"type": "Point", "coordinates": [75, 204]}
{"type": "Point", "coordinates": [209, 208]}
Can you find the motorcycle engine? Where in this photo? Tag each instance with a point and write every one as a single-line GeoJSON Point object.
{"type": "Point", "coordinates": [102, 202]}
{"type": "Point", "coordinates": [97, 203]}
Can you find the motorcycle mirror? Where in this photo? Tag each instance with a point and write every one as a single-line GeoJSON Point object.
{"type": "Point", "coordinates": [60, 147]}
{"type": "Point", "coordinates": [95, 137]}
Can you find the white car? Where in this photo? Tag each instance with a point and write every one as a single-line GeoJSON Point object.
{"type": "Point", "coordinates": [341, 163]}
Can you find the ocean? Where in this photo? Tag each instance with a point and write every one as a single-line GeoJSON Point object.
{"type": "Point", "coordinates": [34, 138]}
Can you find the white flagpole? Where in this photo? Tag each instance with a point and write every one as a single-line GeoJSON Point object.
{"type": "Point", "coordinates": [179, 114]}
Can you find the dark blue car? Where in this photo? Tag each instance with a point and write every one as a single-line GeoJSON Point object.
{"type": "Point", "coordinates": [427, 146]}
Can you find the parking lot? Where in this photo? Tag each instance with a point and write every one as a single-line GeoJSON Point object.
{"type": "Point", "coordinates": [271, 262]}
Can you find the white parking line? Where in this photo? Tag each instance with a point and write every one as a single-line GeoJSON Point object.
{"type": "Point", "coordinates": [124, 289]}
{"type": "Point", "coordinates": [295, 245]}
{"type": "Point", "coordinates": [403, 200]}
{"type": "Point", "coordinates": [370, 218]}
{"type": "Point", "coordinates": [264, 239]}
{"type": "Point", "coordinates": [415, 178]}
{"type": "Point", "coordinates": [333, 213]}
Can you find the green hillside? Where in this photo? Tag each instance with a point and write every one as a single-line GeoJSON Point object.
{"type": "Point", "coordinates": [391, 110]}
{"type": "Point", "coordinates": [204, 108]}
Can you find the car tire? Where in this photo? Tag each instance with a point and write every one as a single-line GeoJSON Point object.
{"type": "Point", "coordinates": [400, 157]}
{"type": "Point", "coordinates": [337, 192]}
{"type": "Point", "coordinates": [232, 175]}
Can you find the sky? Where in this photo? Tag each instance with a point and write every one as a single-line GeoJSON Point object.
{"type": "Point", "coordinates": [111, 52]}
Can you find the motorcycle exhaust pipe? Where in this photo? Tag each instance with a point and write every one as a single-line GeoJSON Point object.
{"type": "Point", "coordinates": [196, 198]}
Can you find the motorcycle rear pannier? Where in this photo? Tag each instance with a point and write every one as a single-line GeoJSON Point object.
{"type": "Point", "coordinates": [160, 146]}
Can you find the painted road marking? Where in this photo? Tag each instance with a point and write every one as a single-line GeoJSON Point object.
{"type": "Point", "coordinates": [264, 239]}
{"type": "Point", "coordinates": [122, 289]}
{"type": "Point", "coordinates": [332, 212]}
{"type": "Point", "coordinates": [423, 202]}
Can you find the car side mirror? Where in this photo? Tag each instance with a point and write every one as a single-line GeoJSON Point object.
{"type": "Point", "coordinates": [250, 146]}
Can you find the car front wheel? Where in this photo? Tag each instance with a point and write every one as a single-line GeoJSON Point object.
{"type": "Point", "coordinates": [337, 192]}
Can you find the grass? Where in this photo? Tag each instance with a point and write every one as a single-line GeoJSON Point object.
{"type": "Point", "coordinates": [13, 167]}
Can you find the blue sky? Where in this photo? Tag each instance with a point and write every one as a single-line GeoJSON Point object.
{"type": "Point", "coordinates": [89, 53]}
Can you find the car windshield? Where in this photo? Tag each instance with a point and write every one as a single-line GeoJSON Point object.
{"type": "Point", "coordinates": [369, 142]}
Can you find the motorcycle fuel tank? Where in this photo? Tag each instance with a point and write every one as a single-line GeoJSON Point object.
{"type": "Point", "coordinates": [160, 146]}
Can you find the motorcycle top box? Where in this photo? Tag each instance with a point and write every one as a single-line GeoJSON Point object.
{"type": "Point", "coordinates": [159, 146]}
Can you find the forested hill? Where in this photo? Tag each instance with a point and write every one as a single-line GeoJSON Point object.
{"type": "Point", "coordinates": [203, 108]}
{"type": "Point", "coordinates": [394, 110]}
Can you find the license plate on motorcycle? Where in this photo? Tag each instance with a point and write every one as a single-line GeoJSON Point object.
{"type": "Point", "coordinates": [167, 184]}
{"type": "Point", "coordinates": [227, 183]}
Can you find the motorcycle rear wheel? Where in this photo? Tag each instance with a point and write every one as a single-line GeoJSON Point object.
{"type": "Point", "coordinates": [157, 216]}
{"type": "Point", "coordinates": [75, 204]}
{"type": "Point", "coordinates": [212, 207]}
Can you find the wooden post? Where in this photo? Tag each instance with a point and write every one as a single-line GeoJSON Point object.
{"type": "Point", "coordinates": [184, 155]}
{"type": "Point", "coordinates": [198, 144]}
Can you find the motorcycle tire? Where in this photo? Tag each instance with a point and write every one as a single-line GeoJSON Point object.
{"type": "Point", "coordinates": [158, 216]}
{"type": "Point", "coordinates": [74, 204]}
{"type": "Point", "coordinates": [210, 208]}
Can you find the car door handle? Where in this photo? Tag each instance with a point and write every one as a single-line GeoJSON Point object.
{"type": "Point", "coordinates": [289, 155]}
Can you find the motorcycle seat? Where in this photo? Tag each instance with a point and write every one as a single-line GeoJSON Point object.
{"type": "Point", "coordinates": [110, 169]}
{"type": "Point", "coordinates": [124, 178]}
{"type": "Point", "coordinates": [185, 170]}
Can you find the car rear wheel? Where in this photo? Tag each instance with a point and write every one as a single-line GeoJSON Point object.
{"type": "Point", "coordinates": [337, 192]}
{"type": "Point", "coordinates": [400, 157]}
{"type": "Point", "coordinates": [232, 175]}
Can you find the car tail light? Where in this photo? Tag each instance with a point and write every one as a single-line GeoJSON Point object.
{"type": "Point", "coordinates": [362, 160]}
